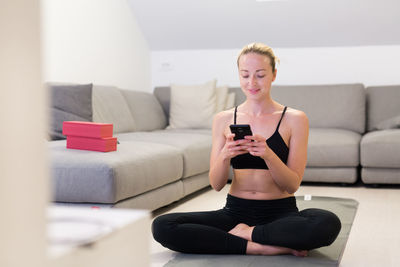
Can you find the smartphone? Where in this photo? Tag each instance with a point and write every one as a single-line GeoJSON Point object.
{"type": "Point", "coordinates": [240, 130]}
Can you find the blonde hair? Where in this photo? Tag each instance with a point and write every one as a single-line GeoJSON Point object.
{"type": "Point", "coordinates": [260, 49]}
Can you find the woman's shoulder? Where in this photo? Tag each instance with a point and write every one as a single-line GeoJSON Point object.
{"type": "Point", "coordinates": [224, 115]}
{"type": "Point", "coordinates": [221, 120]}
{"type": "Point", "coordinates": [296, 116]}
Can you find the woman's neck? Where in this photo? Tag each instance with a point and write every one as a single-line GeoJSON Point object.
{"type": "Point", "coordinates": [256, 107]}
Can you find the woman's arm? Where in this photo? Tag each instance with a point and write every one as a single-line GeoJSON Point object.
{"type": "Point", "coordinates": [223, 149]}
{"type": "Point", "coordinates": [288, 177]}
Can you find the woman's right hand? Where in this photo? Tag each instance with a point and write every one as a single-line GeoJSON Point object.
{"type": "Point", "coordinates": [232, 148]}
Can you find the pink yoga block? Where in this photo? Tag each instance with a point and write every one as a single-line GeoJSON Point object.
{"type": "Point", "coordinates": [87, 129]}
{"type": "Point", "coordinates": [106, 144]}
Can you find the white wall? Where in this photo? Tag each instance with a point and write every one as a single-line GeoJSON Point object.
{"type": "Point", "coordinates": [95, 41]}
{"type": "Point", "coordinates": [23, 168]}
{"type": "Point", "coordinates": [370, 65]}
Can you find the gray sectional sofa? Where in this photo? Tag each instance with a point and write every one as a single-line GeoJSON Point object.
{"type": "Point", "coordinates": [155, 166]}
{"type": "Point", "coordinates": [152, 166]}
{"type": "Point", "coordinates": [380, 146]}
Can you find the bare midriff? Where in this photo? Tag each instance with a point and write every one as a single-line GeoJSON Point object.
{"type": "Point", "coordinates": [255, 184]}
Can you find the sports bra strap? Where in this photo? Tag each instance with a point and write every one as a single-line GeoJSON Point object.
{"type": "Point", "coordinates": [279, 123]}
{"type": "Point", "coordinates": [234, 118]}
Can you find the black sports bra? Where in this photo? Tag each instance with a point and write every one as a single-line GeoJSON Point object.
{"type": "Point", "coordinates": [275, 142]}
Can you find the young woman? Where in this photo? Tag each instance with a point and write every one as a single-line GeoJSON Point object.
{"type": "Point", "coordinates": [260, 215]}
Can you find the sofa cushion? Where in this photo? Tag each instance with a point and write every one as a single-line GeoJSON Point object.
{"type": "Point", "coordinates": [391, 123]}
{"type": "Point", "coordinates": [109, 106]}
{"type": "Point", "coordinates": [380, 175]}
{"type": "Point", "coordinates": [381, 149]}
{"type": "Point", "coordinates": [221, 98]}
{"type": "Point", "coordinates": [69, 102]}
{"type": "Point", "coordinates": [146, 110]}
{"type": "Point", "coordinates": [333, 148]}
{"type": "Point", "coordinates": [327, 106]}
{"type": "Point", "coordinates": [382, 103]}
{"type": "Point", "coordinates": [192, 106]}
{"type": "Point", "coordinates": [94, 177]}
{"type": "Point", "coordinates": [194, 148]}
{"type": "Point", "coordinates": [163, 95]}
{"type": "Point", "coordinates": [331, 174]}
{"type": "Point", "coordinates": [230, 101]}
{"type": "Point", "coordinates": [193, 131]}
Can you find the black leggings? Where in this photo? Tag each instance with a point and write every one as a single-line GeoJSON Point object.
{"type": "Point", "coordinates": [277, 222]}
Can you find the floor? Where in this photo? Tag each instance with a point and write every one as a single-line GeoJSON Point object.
{"type": "Point", "coordinates": [374, 239]}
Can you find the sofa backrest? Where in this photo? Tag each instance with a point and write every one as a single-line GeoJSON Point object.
{"type": "Point", "coordinates": [327, 106]}
{"type": "Point", "coordinates": [146, 110]}
{"type": "Point", "coordinates": [383, 103]}
{"type": "Point", "coordinates": [110, 106]}
{"type": "Point", "coordinates": [163, 95]}
{"type": "Point", "coordinates": [128, 110]}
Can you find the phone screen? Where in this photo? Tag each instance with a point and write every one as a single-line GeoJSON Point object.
{"type": "Point", "coordinates": [240, 130]}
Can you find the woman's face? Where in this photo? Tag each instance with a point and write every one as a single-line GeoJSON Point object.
{"type": "Point", "coordinates": [255, 74]}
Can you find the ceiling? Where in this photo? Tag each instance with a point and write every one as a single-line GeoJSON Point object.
{"type": "Point", "coordinates": [230, 24]}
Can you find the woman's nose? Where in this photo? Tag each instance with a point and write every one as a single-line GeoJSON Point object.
{"type": "Point", "coordinates": [253, 80]}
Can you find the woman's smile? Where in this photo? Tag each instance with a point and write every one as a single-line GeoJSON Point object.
{"type": "Point", "coordinates": [253, 91]}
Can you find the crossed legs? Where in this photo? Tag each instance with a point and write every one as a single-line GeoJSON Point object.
{"type": "Point", "coordinates": [244, 231]}
{"type": "Point", "coordinates": [219, 232]}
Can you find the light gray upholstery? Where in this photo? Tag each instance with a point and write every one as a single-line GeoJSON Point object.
{"type": "Point", "coordinates": [163, 94]}
{"type": "Point", "coordinates": [193, 183]}
{"type": "Point", "coordinates": [109, 106]}
{"type": "Point", "coordinates": [380, 175]}
{"type": "Point", "coordinates": [146, 110]}
{"type": "Point", "coordinates": [155, 198]}
{"type": "Point", "coordinates": [69, 102]}
{"type": "Point", "coordinates": [383, 102]}
{"type": "Point", "coordinates": [333, 148]}
{"type": "Point", "coordinates": [135, 168]}
{"type": "Point", "coordinates": [346, 175]}
{"type": "Point", "coordinates": [340, 106]}
{"type": "Point", "coordinates": [327, 106]}
{"type": "Point", "coordinates": [380, 150]}
{"type": "Point", "coordinates": [195, 131]}
{"type": "Point", "coordinates": [194, 148]}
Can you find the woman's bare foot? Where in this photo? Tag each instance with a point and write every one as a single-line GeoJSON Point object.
{"type": "Point", "coordinates": [242, 230]}
{"type": "Point", "coordinates": [258, 249]}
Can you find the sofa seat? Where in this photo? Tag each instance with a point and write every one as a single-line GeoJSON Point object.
{"type": "Point", "coordinates": [194, 148]}
{"type": "Point", "coordinates": [333, 148]}
{"type": "Point", "coordinates": [195, 131]}
{"type": "Point", "coordinates": [381, 149]}
{"type": "Point", "coordinates": [94, 177]}
{"type": "Point", "coordinates": [380, 157]}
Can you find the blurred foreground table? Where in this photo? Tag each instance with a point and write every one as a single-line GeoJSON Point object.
{"type": "Point", "coordinates": [84, 236]}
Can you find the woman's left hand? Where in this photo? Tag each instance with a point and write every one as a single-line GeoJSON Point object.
{"type": "Point", "coordinates": [259, 146]}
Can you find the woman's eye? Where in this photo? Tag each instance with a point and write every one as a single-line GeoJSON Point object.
{"type": "Point", "coordinates": [261, 76]}
{"type": "Point", "coordinates": [245, 77]}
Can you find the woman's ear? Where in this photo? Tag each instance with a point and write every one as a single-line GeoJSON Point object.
{"type": "Point", "coordinates": [274, 75]}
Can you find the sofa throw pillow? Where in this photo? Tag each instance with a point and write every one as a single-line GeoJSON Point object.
{"type": "Point", "coordinates": [146, 110]}
{"type": "Point", "coordinates": [230, 101]}
{"type": "Point", "coordinates": [110, 106]}
{"type": "Point", "coordinates": [222, 96]}
{"type": "Point", "coordinates": [391, 123]}
{"type": "Point", "coordinates": [192, 106]}
{"type": "Point", "coordinates": [69, 102]}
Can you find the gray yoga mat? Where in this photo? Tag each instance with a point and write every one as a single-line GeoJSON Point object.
{"type": "Point", "coordinates": [344, 208]}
